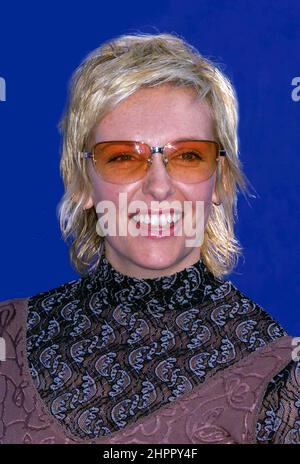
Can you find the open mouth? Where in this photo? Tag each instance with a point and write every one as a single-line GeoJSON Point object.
{"type": "Point", "coordinates": [153, 222]}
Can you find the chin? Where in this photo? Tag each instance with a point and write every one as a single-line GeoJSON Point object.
{"type": "Point", "coordinates": [155, 262]}
{"type": "Point", "coordinates": [148, 257]}
{"type": "Point", "coordinates": [156, 259]}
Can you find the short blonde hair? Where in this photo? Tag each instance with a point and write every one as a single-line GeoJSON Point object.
{"type": "Point", "coordinates": [108, 75]}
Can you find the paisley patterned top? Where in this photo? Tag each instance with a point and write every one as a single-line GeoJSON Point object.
{"type": "Point", "coordinates": [108, 349]}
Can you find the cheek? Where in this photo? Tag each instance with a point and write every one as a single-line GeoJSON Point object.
{"type": "Point", "coordinates": [102, 190]}
{"type": "Point", "coordinates": [200, 191]}
{"type": "Point", "coordinates": [109, 192]}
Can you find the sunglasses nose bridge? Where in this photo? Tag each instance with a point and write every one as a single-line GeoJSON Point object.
{"type": "Point", "coordinates": [155, 150]}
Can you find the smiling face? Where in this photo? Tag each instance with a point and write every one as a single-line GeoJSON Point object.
{"type": "Point", "coordinates": [155, 116]}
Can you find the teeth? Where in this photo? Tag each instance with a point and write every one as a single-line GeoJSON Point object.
{"type": "Point", "coordinates": [156, 219]}
{"type": "Point", "coordinates": [163, 220]}
{"type": "Point", "coordinates": [136, 218]}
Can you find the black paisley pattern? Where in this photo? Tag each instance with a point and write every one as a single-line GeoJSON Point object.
{"type": "Point", "coordinates": [107, 349]}
{"type": "Point", "coordinates": [279, 417]}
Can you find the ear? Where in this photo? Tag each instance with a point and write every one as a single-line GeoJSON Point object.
{"type": "Point", "coordinates": [89, 203]}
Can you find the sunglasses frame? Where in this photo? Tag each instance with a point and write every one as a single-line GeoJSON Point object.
{"type": "Point", "coordinates": [153, 150]}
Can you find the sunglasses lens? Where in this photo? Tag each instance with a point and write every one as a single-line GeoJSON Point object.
{"type": "Point", "coordinates": [126, 162]}
{"type": "Point", "coordinates": [121, 162]}
{"type": "Point", "coordinates": [192, 161]}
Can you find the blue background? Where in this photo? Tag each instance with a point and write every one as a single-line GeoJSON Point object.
{"type": "Point", "coordinates": [258, 47]}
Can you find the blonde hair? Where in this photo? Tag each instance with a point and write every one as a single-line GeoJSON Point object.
{"type": "Point", "coordinates": [111, 73]}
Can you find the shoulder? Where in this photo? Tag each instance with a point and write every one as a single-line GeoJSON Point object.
{"type": "Point", "coordinates": [13, 311]}
{"type": "Point", "coordinates": [53, 298]}
{"type": "Point", "coordinates": [243, 303]}
{"type": "Point", "coordinates": [242, 319]}
{"type": "Point", "coordinates": [16, 317]}
{"type": "Point", "coordinates": [279, 415]}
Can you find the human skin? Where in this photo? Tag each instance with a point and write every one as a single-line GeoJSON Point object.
{"type": "Point", "coordinates": [156, 116]}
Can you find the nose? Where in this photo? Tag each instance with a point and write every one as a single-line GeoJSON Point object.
{"type": "Point", "coordinates": [157, 181]}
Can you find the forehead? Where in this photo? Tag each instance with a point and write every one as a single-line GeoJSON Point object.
{"type": "Point", "coordinates": [157, 115]}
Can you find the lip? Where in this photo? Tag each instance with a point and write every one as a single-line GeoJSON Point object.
{"type": "Point", "coordinates": [157, 231]}
{"type": "Point", "coordinates": [151, 212]}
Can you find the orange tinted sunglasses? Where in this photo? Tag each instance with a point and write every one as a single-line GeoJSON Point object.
{"type": "Point", "coordinates": [123, 162]}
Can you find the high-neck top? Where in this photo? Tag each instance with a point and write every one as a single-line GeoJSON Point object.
{"type": "Point", "coordinates": [107, 349]}
{"type": "Point", "coordinates": [180, 290]}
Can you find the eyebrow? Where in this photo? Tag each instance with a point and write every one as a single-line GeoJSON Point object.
{"type": "Point", "coordinates": [142, 141]}
{"type": "Point", "coordinates": [191, 138]}
{"type": "Point", "coordinates": [178, 139]}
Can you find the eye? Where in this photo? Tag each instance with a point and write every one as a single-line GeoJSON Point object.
{"type": "Point", "coordinates": [121, 157]}
{"type": "Point", "coordinates": [190, 155]}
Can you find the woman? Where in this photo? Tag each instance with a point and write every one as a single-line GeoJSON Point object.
{"type": "Point", "coordinates": [151, 344]}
